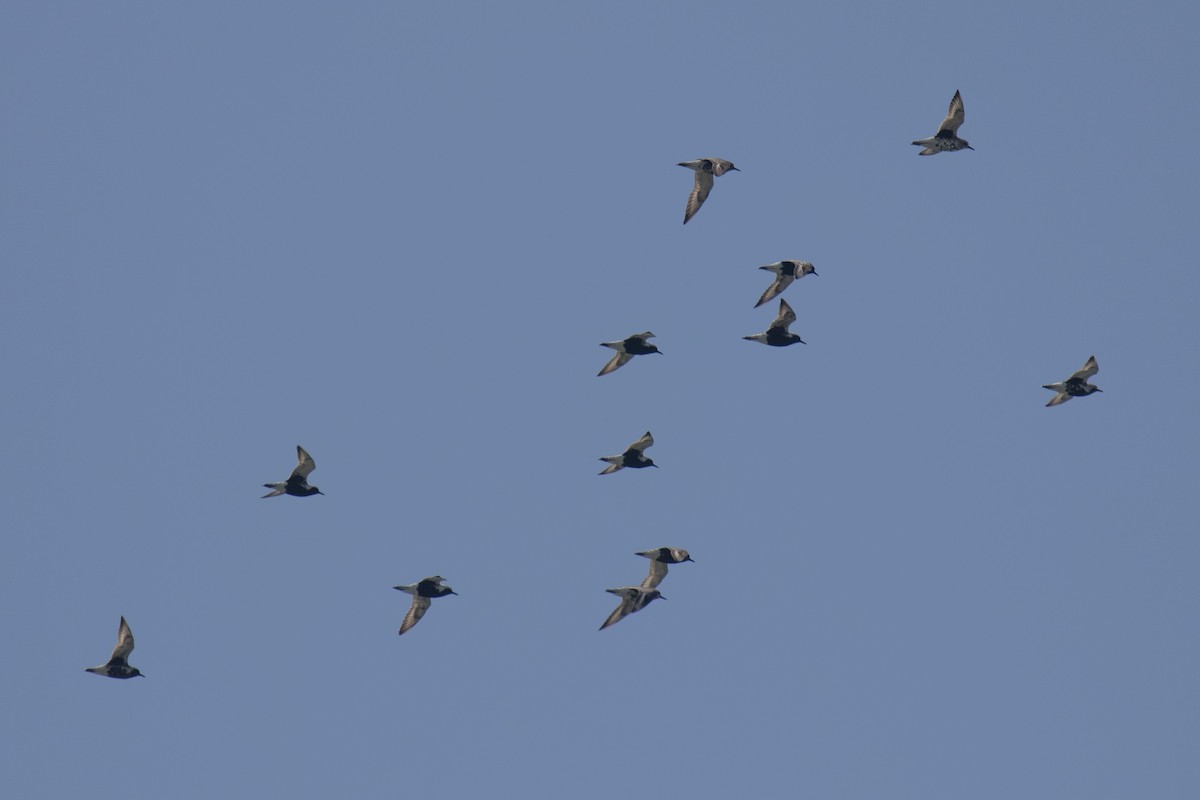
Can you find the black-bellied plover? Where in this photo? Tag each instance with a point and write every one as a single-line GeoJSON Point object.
{"type": "Point", "coordinates": [423, 592]}
{"type": "Point", "coordinates": [633, 599]}
{"type": "Point", "coordinates": [946, 139]}
{"type": "Point", "coordinates": [297, 483]}
{"type": "Point", "coordinates": [1075, 386]}
{"type": "Point", "coordinates": [777, 335]}
{"type": "Point", "coordinates": [785, 273]}
{"type": "Point", "coordinates": [632, 457]}
{"type": "Point", "coordinates": [118, 662]}
{"type": "Point", "coordinates": [635, 345]}
{"type": "Point", "coordinates": [706, 169]}
{"type": "Point", "coordinates": [659, 558]}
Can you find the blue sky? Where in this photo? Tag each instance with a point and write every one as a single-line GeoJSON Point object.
{"type": "Point", "coordinates": [395, 234]}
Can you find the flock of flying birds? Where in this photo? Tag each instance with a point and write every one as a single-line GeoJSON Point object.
{"type": "Point", "coordinates": [635, 598]}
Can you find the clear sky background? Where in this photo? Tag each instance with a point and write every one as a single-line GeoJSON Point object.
{"type": "Point", "coordinates": [396, 233]}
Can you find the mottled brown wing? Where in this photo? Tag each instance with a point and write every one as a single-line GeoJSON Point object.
{"type": "Point", "coordinates": [419, 606]}
{"type": "Point", "coordinates": [620, 612]}
{"type": "Point", "coordinates": [1088, 370]}
{"type": "Point", "coordinates": [615, 363]}
{"type": "Point", "coordinates": [1058, 399]}
{"type": "Point", "coordinates": [956, 115]}
{"type": "Point", "coordinates": [703, 185]}
{"type": "Point", "coordinates": [124, 643]}
{"type": "Point", "coordinates": [304, 463]}
{"type": "Point", "coordinates": [641, 444]}
{"type": "Point", "coordinates": [658, 571]}
{"type": "Point", "coordinates": [780, 283]}
{"type": "Point", "coordinates": [786, 316]}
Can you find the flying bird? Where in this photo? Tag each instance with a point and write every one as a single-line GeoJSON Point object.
{"type": "Point", "coordinates": [946, 139]}
{"type": "Point", "coordinates": [785, 273]}
{"type": "Point", "coordinates": [1075, 386]}
{"type": "Point", "coordinates": [423, 592]}
{"type": "Point", "coordinates": [297, 483]}
{"type": "Point", "coordinates": [778, 335]}
{"type": "Point", "coordinates": [635, 345]}
{"type": "Point", "coordinates": [659, 558]}
{"type": "Point", "coordinates": [118, 662]}
{"type": "Point", "coordinates": [633, 456]}
{"type": "Point", "coordinates": [633, 599]}
{"type": "Point", "coordinates": [706, 169]}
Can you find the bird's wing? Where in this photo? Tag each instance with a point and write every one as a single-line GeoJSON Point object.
{"type": "Point", "coordinates": [417, 610]}
{"type": "Point", "coordinates": [1088, 370]}
{"type": "Point", "coordinates": [786, 316]}
{"type": "Point", "coordinates": [658, 571]}
{"type": "Point", "coordinates": [780, 283]}
{"type": "Point", "coordinates": [124, 643]}
{"type": "Point", "coordinates": [703, 185]}
{"type": "Point", "coordinates": [616, 362]}
{"type": "Point", "coordinates": [304, 463]}
{"type": "Point", "coordinates": [1058, 399]}
{"type": "Point", "coordinates": [641, 444]}
{"type": "Point", "coordinates": [619, 613]}
{"type": "Point", "coordinates": [955, 116]}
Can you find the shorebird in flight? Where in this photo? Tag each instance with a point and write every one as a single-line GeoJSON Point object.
{"type": "Point", "coordinates": [946, 139]}
{"type": "Point", "coordinates": [785, 273]}
{"type": "Point", "coordinates": [659, 558]}
{"type": "Point", "coordinates": [297, 483]}
{"type": "Point", "coordinates": [633, 599]}
{"type": "Point", "coordinates": [706, 169]}
{"type": "Point", "coordinates": [634, 345]}
{"type": "Point", "coordinates": [118, 662]}
{"type": "Point", "coordinates": [633, 456]}
{"type": "Point", "coordinates": [423, 592]}
{"type": "Point", "coordinates": [1075, 386]}
{"type": "Point", "coordinates": [778, 335]}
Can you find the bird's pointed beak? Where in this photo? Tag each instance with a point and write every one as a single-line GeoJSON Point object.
{"type": "Point", "coordinates": [659, 352]}
{"type": "Point", "coordinates": [689, 558]}
{"type": "Point", "coordinates": [141, 674]}
{"type": "Point", "coordinates": [682, 164]}
{"type": "Point", "coordinates": [1097, 389]}
{"type": "Point", "coordinates": [656, 465]}
{"type": "Point", "coordinates": [735, 169]}
{"type": "Point", "coordinates": [814, 272]}
{"type": "Point", "coordinates": [970, 148]}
